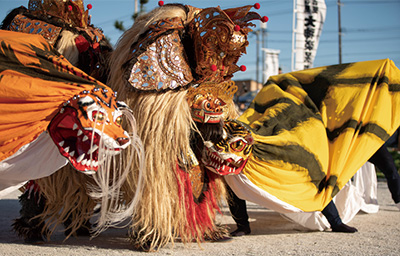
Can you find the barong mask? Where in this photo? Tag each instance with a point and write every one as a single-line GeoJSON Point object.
{"type": "Point", "coordinates": [208, 102]}
{"type": "Point", "coordinates": [229, 154]}
{"type": "Point", "coordinates": [89, 127]}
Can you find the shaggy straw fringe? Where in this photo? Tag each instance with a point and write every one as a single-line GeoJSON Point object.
{"type": "Point", "coordinates": [164, 125]}
{"type": "Point", "coordinates": [74, 195]}
{"type": "Point", "coordinates": [66, 196]}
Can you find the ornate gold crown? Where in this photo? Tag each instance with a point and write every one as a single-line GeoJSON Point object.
{"type": "Point", "coordinates": [67, 11]}
{"type": "Point", "coordinates": [164, 59]}
{"type": "Point", "coordinates": [220, 38]}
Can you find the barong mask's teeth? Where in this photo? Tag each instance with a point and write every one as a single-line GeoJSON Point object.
{"type": "Point", "coordinates": [230, 154]}
{"type": "Point", "coordinates": [88, 129]}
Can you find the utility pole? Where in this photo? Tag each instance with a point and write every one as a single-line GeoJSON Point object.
{"type": "Point", "coordinates": [258, 56]}
{"type": "Point", "coordinates": [136, 7]}
{"type": "Point", "coordinates": [257, 33]}
{"type": "Point", "coordinates": [263, 32]}
{"type": "Point", "coordinates": [340, 33]}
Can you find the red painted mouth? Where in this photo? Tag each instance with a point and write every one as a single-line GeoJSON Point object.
{"type": "Point", "coordinates": [211, 117]}
{"type": "Point", "coordinates": [78, 144]}
{"type": "Point", "coordinates": [221, 166]}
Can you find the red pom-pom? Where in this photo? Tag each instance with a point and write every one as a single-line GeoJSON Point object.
{"type": "Point", "coordinates": [257, 6]}
{"type": "Point", "coordinates": [214, 67]}
{"type": "Point", "coordinates": [264, 19]}
{"type": "Point", "coordinates": [243, 68]}
{"type": "Point", "coordinates": [237, 28]}
{"type": "Point", "coordinates": [89, 6]}
{"type": "Point", "coordinates": [69, 8]}
{"type": "Point", "coordinates": [160, 3]}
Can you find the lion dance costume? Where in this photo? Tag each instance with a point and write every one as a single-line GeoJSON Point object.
{"type": "Point", "coordinates": [173, 68]}
{"type": "Point", "coordinates": [65, 25]}
{"type": "Point", "coordinates": [312, 130]}
{"type": "Point", "coordinates": [52, 113]}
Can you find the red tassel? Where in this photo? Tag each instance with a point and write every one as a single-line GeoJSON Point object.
{"type": "Point", "coordinates": [160, 3]}
{"type": "Point", "coordinates": [89, 6]}
{"type": "Point", "coordinates": [265, 19]}
{"type": "Point", "coordinates": [243, 68]}
{"type": "Point", "coordinates": [257, 6]}
{"type": "Point", "coordinates": [82, 44]}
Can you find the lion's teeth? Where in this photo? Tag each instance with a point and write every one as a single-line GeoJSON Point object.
{"type": "Point", "coordinates": [79, 159]}
{"type": "Point", "coordinates": [94, 148]}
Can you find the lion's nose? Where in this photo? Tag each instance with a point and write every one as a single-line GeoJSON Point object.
{"type": "Point", "coordinates": [123, 141]}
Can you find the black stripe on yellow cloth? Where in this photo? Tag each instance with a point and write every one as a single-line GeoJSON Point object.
{"type": "Point", "coordinates": [313, 129]}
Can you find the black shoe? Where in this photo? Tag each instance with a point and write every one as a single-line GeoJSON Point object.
{"type": "Point", "coordinates": [241, 231]}
{"type": "Point", "coordinates": [344, 229]}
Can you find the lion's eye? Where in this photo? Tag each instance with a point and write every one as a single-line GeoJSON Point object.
{"type": "Point", "coordinates": [238, 145]}
{"type": "Point", "coordinates": [118, 121]}
{"type": "Point", "coordinates": [98, 116]}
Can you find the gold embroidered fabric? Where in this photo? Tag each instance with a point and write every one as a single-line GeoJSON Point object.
{"type": "Point", "coordinates": [68, 11]}
{"type": "Point", "coordinates": [21, 23]}
{"type": "Point", "coordinates": [162, 66]}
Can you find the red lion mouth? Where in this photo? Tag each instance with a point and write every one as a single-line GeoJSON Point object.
{"type": "Point", "coordinates": [228, 166]}
{"type": "Point", "coordinates": [78, 144]}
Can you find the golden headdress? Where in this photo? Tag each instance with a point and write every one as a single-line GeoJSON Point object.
{"type": "Point", "coordinates": [48, 17]}
{"type": "Point", "coordinates": [205, 48]}
{"type": "Point", "coordinates": [68, 11]}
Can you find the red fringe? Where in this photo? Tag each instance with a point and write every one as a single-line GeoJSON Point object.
{"type": "Point", "coordinates": [200, 217]}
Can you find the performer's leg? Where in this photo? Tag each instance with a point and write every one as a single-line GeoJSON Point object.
{"type": "Point", "coordinates": [238, 210]}
{"type": "Point", "coordinates": [383, 160]}
{"type": "Point", "coordinates": [27, 226]}
{"type": "Point", "coordinates": [332, 215]}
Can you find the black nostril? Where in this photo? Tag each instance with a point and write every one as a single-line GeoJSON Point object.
{"type": "Point", "coordinates": [122, 141]}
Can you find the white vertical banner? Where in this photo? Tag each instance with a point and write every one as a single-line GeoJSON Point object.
{"type": "Point", "coordinates": [271, 63]}
{"type": "Point", "coordinates": [310, 17]}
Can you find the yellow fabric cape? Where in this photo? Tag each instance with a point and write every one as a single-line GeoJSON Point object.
{"type": "Point", "coordinates": [314, 129]}
{"type": "Point", "coordinates": [34, 83]}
